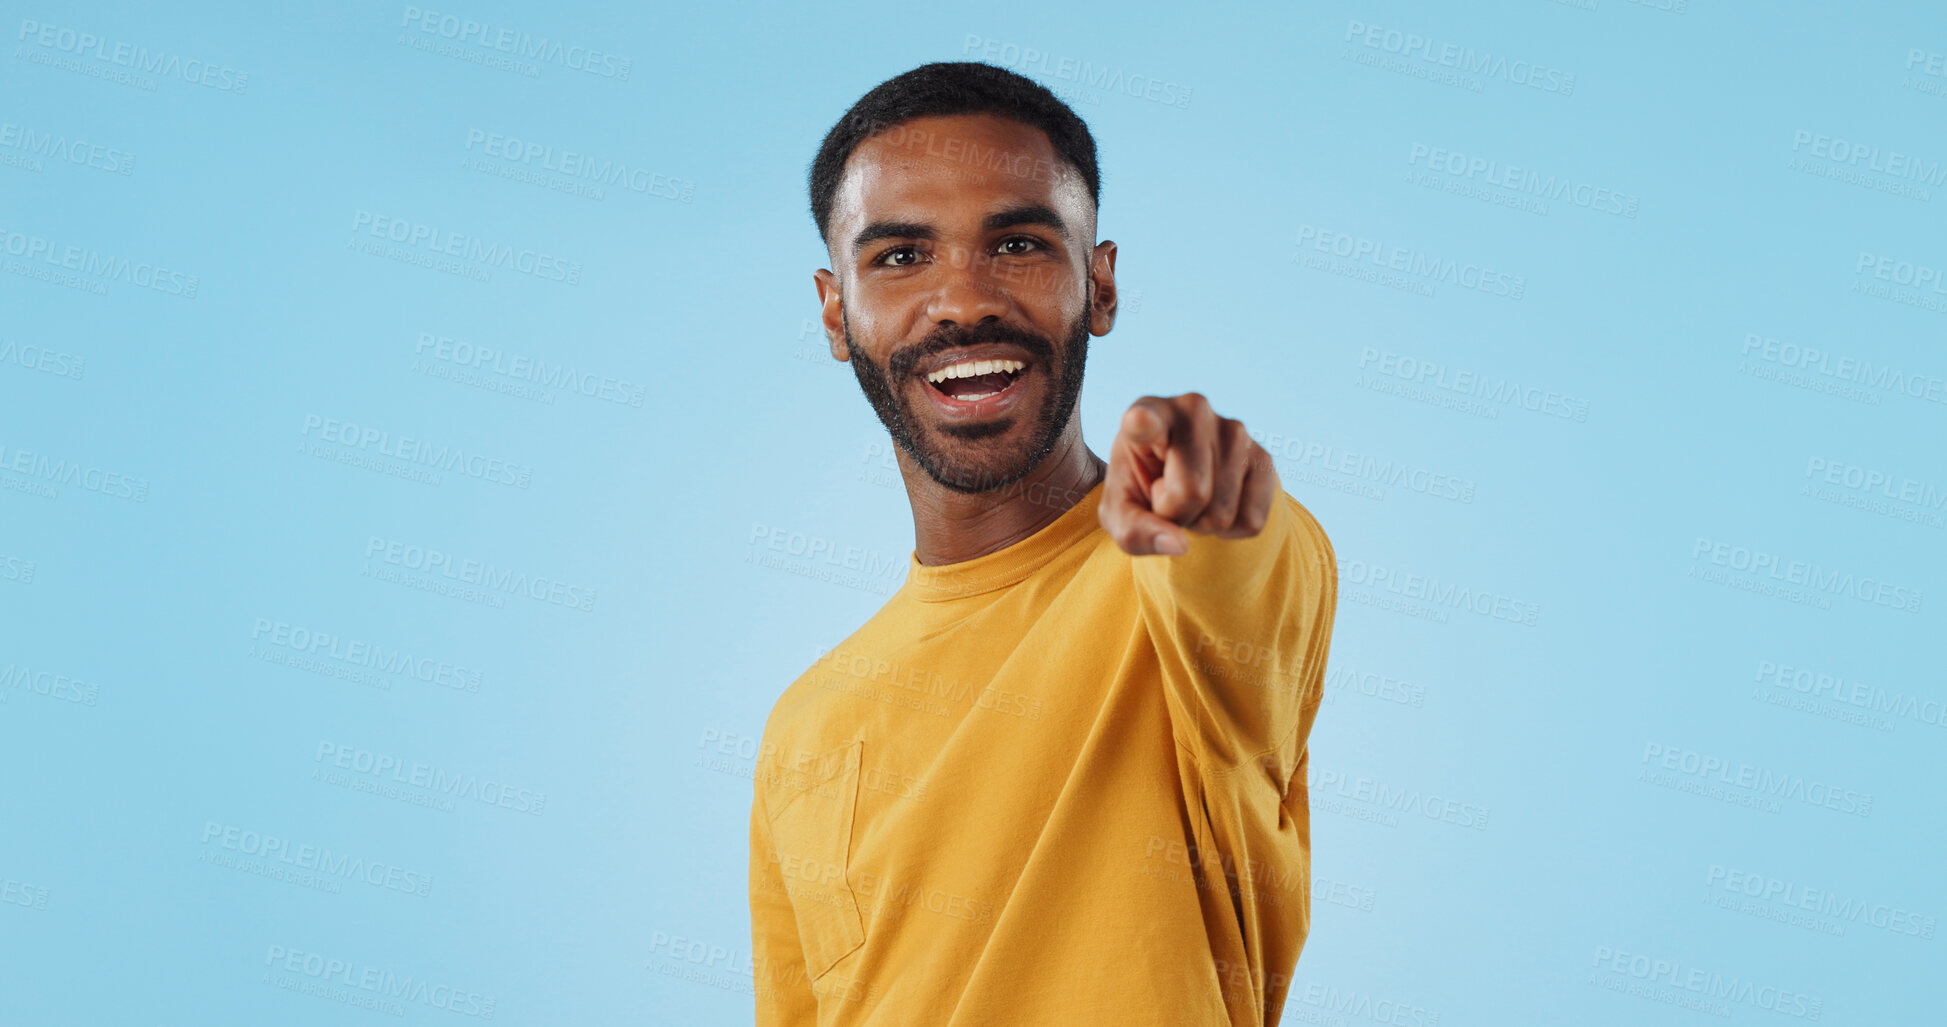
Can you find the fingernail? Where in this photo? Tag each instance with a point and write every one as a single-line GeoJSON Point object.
{"type": "Point", "coordinates": [1171, 544]}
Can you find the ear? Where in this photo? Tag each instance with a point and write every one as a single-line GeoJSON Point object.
{"type": "Point", "coordinates": [1101, 273]}
{"type": "Point", "coordinates": [831, 311]}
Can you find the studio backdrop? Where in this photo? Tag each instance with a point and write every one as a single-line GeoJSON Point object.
{"type": "Point", "coordinates": [422, 468]}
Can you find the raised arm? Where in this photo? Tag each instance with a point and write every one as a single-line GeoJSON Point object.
{"type": "Point", "coordinates": [1241, 615]}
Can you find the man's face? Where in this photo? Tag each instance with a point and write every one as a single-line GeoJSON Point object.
{"type": "Point", "coordinates": [966, 288]}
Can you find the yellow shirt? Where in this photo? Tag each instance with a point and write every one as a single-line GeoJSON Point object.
{"type": "Point", "coordinates": [1056, 784]}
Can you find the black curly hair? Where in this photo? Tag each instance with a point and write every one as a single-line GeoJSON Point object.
{"type": "Point", "coordinates": [945, 88]}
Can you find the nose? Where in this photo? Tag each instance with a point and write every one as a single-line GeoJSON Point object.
{"type": "Point", "coordinates": [966, 291]}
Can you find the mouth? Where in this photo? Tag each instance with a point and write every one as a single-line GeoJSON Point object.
{"type": "Point", "coordinates": [977, 383]}
{"type": "Point", "coordinates": [971, 380]}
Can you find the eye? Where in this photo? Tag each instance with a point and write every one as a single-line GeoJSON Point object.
{"type": "Point", "coordinates": [888, 258]}
{"type": "Point", "coordinates": [1013, 239]}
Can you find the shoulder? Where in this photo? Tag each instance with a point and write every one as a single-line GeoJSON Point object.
{"type": "Point", "coordinates": [1306, 533]}
{"type": "Point", "coordinates": [1312, 568]}
{"type": "Point", "coordinates": [808, 708]}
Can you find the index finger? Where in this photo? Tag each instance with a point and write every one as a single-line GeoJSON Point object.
{"type": "Point", "coordinates": [1148, 422]}
{"type": "Point", "coordinates": [1124, 513]}
{"type": "Point", "coordinates": [1188, 472]}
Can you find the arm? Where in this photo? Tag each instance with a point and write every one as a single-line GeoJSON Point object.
{"type": "Point", "coordinates": [784, 996]}
{"type": "Point", "coordinates": [1242, 627]}
{"type": "Point", "coordinates": [1242, 614]}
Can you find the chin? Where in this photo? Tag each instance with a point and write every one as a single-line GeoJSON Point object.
{"type": "Point", "coordinates": [988, 461]}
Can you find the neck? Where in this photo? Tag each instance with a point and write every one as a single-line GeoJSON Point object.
{"type": "Point", "coordinates": [949, 526]}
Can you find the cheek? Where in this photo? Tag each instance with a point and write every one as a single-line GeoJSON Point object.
{"type": "Point", "coordinates": [870, 343]}
{"type": "Point", "coordinates": [1058, 322]}
{"type": "Point", "coordinates": [865, 325]}
{"type": "Point", "coordinates": [878, 312]}
{"type": "Point", "coordinates": [1056, 301]}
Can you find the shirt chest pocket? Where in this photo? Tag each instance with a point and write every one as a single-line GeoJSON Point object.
{"type": "Point", "coordinates": [811, 814]}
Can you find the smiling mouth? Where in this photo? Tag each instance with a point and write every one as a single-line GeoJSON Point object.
{"type": "Point", "coordinates": [972, 380]}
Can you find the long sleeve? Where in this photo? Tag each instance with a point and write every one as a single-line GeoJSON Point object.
{"type": "Point", "coordinates": [1242, 627]}
{"type": "Point", "coordinates": [784, 995]}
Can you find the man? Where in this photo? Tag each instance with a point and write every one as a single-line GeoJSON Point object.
{"type": "Point", "coordinates": [1059, 778]}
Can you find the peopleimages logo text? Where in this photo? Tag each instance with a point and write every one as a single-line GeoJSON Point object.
{"type": "Point", "coordinates": [1807, 575]}
{"type": "Point", "coordinates": [539, 371]}
{"type": "Point", "coordinates": [416, 451]}
{"type": "Point", "coordinates": [1417, 263]}
{"type": "Point", "coordinates": [161, 63]}
{"type": "Point", "coordinates": [380, 982]}
{"type": "Point", "coordinates": [503, 39]}
{"type": "Point", "coordinates": [415, 236]}
{"type": "Point", "coordinates": [485, 575]}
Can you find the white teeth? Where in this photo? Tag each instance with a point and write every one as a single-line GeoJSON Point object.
{"type": "Point", "coordinates": [972, 368]}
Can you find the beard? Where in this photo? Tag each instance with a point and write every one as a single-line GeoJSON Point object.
{"type": "Point", "coordinates": [950, 454]}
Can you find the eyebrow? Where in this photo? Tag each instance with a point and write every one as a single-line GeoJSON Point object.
{"type": "Point", "coordinates": [1026, 214]}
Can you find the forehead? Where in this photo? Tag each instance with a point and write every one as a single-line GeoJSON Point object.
{"type": "Point", "coordinates": [927, 170]}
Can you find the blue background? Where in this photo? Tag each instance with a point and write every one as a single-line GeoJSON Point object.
{"type": "Point", "coordinates": [542, 811]}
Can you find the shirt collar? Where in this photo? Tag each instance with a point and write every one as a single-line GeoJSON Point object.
{"type": "Point", "coordinates": [1005, 567]}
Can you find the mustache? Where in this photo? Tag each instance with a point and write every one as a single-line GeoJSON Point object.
{"type": "Point", "coordinates": [949, 337]}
